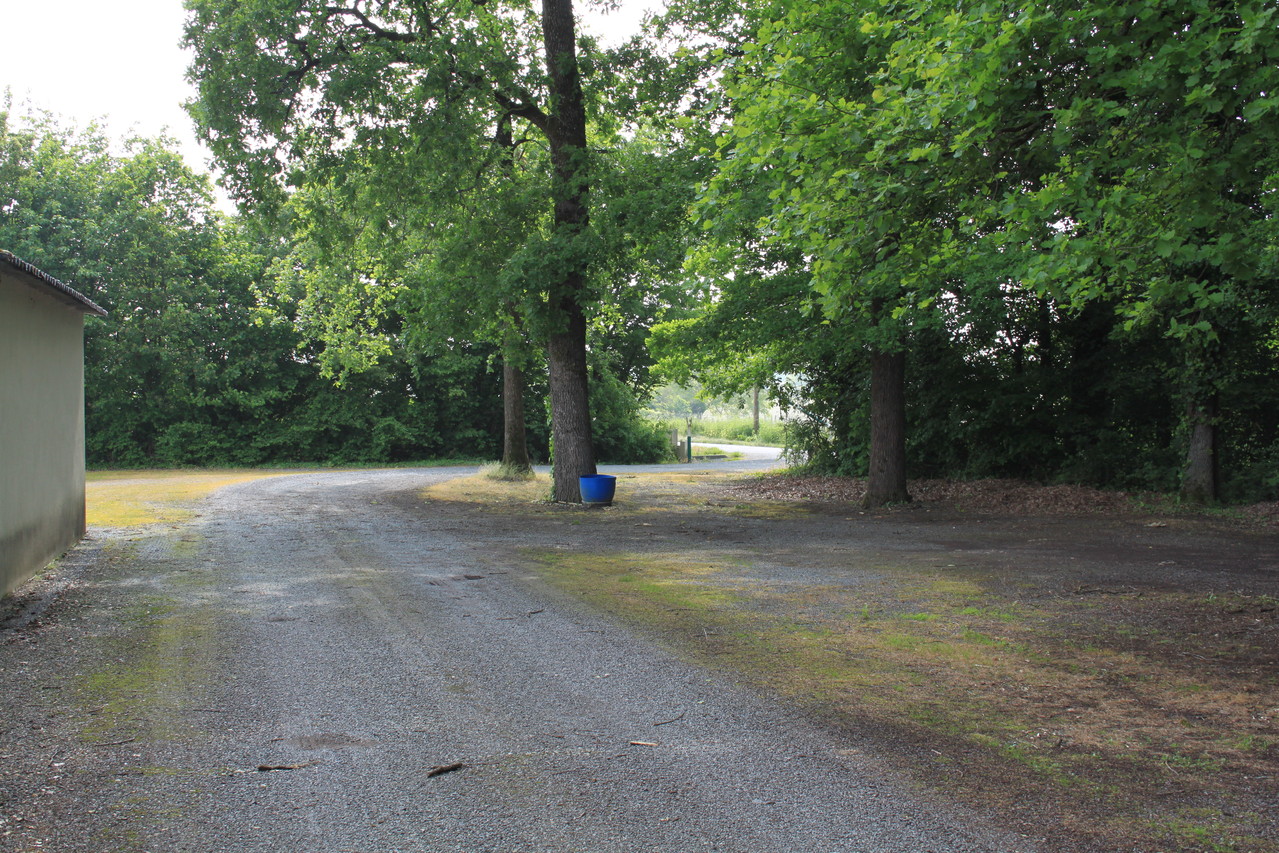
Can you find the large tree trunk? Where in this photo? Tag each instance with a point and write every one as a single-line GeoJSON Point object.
{"type": "Point", "coordinates": [1200, 484]}
{"type": "Point", "coordinates": [574, 453]}
{"type": "Point", "coordinates": [887, 482]}
{"type": "Point", "coordinates": [514, 442]}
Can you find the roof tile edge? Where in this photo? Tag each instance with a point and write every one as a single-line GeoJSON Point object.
{"type": "Point", "coordinates": [77, 299]}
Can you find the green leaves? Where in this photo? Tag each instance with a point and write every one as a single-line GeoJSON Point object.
{"type": "Point", "coordinates": [914, 169]}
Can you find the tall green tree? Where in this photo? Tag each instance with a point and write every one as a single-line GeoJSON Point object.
{"type": "Point", "coordinates": [285, 86]}
{"type": "Point", "coordinates": [417, 261]}
{"type": "Point", "coordinates": [1159, 117]}
{"type": "Point", "coordinates": [932, 162]}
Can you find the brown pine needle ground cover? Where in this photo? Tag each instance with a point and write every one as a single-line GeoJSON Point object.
{"type": "Point", "coordinates": [1100, 670]}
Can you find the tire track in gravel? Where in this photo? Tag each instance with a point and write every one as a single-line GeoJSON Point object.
{"type": "Point", "coordinates": [364, 642]}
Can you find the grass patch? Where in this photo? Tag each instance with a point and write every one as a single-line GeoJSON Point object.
{"type": "Point", "coordinates": [132, 498]}
{"type": "Point", "coordinates": [496, 491]}
{"type": "Point", "coordinates": [637, 493]}
{"type": "Point", "coordinates": [503, 472]}
{"type": "Point", "coordinates": [1208, 830]}
{"type": "Point", "coordinates": [740, 431]}
{"type": "Point", "coordinates": [150, 672]}
{"type": "Point", "coordinates": [1000, 686]}
{"type": "Point", "coordinates": [655, 588]}
{"type": "Point", "coordinates": [135, 498]}
{"type": "Point", "coordinates": [711, 450]}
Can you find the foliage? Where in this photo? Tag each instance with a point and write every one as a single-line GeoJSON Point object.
{"type": "Point", "coordinates": [1062, 213]}
{"type": "Point", "coordinates": [456, 177]}
{"type": "Point", "coordinates": [194, 365]}
{"type": "Point", "coordinates": [287, 95]}
{"type": "Point", "coordinates": [622, 434]}
{"type": "Point", "coordinates": [683, 402]}
{"type": "Point", "coordinates": [741, 430]}
{"type": "Point", "coordinates": [1059, 215]}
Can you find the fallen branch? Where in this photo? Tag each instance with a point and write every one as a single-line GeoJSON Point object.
{"type": "Point", "coordinates": [676, 720]}
{"type": "Point", "coordinates": [444, 768]}
{"type": "Point", "coordinates": [266, 768]}
{"type": "Point", "coordinates": [1096, 590]}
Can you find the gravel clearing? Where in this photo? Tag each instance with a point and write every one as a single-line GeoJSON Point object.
{"type": "Point", "coordinates": [292, 670]}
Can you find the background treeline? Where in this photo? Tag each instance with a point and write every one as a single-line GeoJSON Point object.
{"type": "Point", "coordinates": [199, 361]}
{"type": "Point", "coordinates": [204, 358]}
{"type": "Point", "coordinates": [997, 239]}
{"type": "Point", "coordinates": [981, 239]}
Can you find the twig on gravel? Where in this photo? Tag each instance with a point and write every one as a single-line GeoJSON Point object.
{"type": "Point", "coordinates": [513, 618]}
{"type": "Point", "coordinates": [1096, 590]}
{"type": "Point", "coordinates": [119, 742]}
{"type": "Point", "coordinates": [267, 768]}
{"type": "Point", "coordinates": [677, 719]}
{"type": "Point", "coordinates": [643, 743]}
{"type": "Point", "coordinates": [444, 768]}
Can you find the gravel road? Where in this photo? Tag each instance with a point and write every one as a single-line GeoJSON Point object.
{"type": "Point", "coordinates": [335, 627]}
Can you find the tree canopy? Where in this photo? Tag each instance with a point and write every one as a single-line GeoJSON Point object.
{"type": "Point", "coordinates": [197, 363]}
{"type": "Point", "coordinates": [1058, 177]}
{"type": "Point", "coordinates": [289, 91]}
{"type": "Point", "coordinates": [982, 239]}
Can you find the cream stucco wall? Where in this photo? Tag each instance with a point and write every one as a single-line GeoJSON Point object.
{"type": "Point", "coordinates": [41, 427]}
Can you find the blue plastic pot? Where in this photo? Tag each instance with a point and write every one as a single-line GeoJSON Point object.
{"type": "Point", "coordinates": [598, 489]}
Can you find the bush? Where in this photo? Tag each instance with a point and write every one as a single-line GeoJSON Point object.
{"type": "Point", "coordinates": [741, 430]}
{"type": "Point", "coordinates": [506, 473]}
{"type": "Point", "coordinates": [621, 435]}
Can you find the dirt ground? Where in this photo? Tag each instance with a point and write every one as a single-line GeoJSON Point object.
{"type": "Point", "coordinates": [1097, 668]}
{"type": "Point", "coordinates": [1090, 671]}
{"type": "Point", "coordinates": [331, 662]}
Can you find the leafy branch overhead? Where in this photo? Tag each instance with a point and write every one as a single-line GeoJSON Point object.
{"type": "Point", "coordinates": [414, 116]}
{"type": "Point", "coordinates": [940, 173]}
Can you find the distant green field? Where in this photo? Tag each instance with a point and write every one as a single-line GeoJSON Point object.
{"type": "Point", "coordinates": [740, 430]}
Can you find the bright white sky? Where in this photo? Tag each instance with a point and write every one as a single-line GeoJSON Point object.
{"type": "Point", "coordinates": [86, 59]}
{"type": "Point", "coordinates": [118, 62]}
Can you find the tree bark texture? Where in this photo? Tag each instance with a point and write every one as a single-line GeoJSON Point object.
{"type": "Point", "coordinates": [574, 453]}
{"type": "Point", "coordinates": [1201, 481]}
{"type": "Point", "coordinates": [887, 482]}
{"type": "Point", "coordinates": [514, 440]}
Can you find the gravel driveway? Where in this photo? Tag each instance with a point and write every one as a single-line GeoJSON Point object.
{"type": "Point", "coordinates": [288, 671]}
